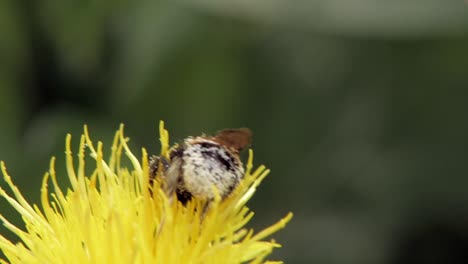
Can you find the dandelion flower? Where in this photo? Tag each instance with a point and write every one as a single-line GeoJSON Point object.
{"type": "Point", "coordinates": [112, 216]}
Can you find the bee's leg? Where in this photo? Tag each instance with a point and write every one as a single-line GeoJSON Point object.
{"type": "Point", "coordinates": [183, 196]}
{"type": "Point", "coordinates": [172, 177]}
{"type": "Point", "coordinates": [154, 164]}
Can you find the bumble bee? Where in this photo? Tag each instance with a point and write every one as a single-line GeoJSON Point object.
{"type": "Point", "coordinates": [200, 163]}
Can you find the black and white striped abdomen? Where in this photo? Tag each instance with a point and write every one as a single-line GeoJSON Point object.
{"type": "Point", "coordinates": [207, 164]}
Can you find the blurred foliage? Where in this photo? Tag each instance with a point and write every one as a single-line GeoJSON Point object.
{"type": "Point", "coordinates": [358, 106]}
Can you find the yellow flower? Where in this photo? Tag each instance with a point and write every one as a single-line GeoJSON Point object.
{"type": "Point", "coordinates": [111, 216]}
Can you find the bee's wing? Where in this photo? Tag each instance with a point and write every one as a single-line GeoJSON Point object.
{"type": "Point", "coordinates": [238, 138]}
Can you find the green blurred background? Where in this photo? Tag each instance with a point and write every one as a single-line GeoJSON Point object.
{"type": "Point", "coordinates": [359, 107]}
